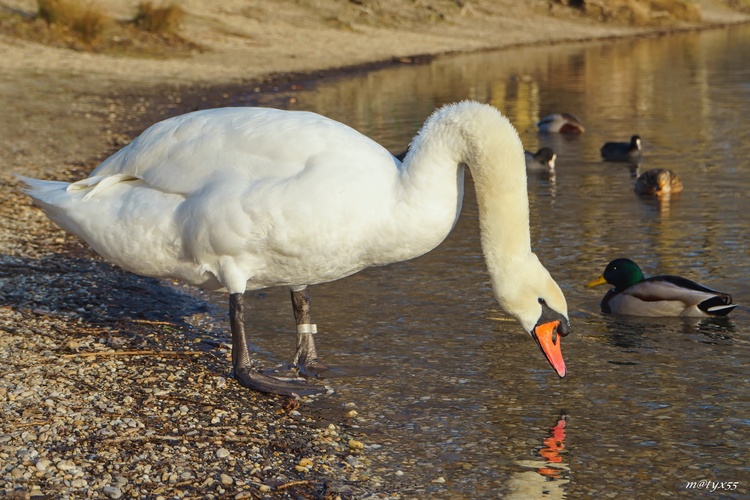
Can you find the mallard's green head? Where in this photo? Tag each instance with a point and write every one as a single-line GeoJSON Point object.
{"type": "Point", "coordinates": [621, 273]}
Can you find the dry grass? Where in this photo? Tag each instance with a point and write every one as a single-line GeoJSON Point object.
{"type": "Point", "coordinates": [637, 12]}
{"type": "Point", "coordinates": [680, 10]}
{"type": "Point", "coordinates": [86, 20]}
{"type": "Point", "coordinates": [740, 5]}
{"type": "Point", "coordinates": [82, 25]}
{"type": "Point", "coordinates": [161, 20]}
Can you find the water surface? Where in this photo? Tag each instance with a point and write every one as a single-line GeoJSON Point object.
{"type": "Point", "coordinates": [456, 398]}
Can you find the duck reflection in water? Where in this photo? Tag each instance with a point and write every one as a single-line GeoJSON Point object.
{"type": "Point", "coordinates": [628, 332]}
{"type": "Point", "coordinates": [633, 334]}
{"type": "Point", "coordinates": [550, 475]}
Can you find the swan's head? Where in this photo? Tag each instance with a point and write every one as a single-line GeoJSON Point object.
{"type": "Point", "coordinates": [531, 296]}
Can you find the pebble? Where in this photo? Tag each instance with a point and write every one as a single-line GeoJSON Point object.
{"type": "Point", "coordinates": [66, 465]}
{"type": "Point", "coordinates": [42, 464]}
{"type": "Point", "coordinates": [139, 426]}
{"type": "Point", "coordinates": [112, 492]}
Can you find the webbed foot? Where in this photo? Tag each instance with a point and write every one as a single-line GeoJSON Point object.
{"type": "Point", "coordinates": [245, 373]}
{"type": "Point", "coordinates": [253, 379]}
{"type": "Point", "coordinates": [313, 369]}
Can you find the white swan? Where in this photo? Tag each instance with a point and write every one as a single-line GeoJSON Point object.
{"type": "Point", "coordinates": [242, 199]}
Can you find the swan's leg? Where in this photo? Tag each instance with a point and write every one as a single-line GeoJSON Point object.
{"type": "Point", "coordinates": [245, 374]}
{"type": "Point", "coordinates": [306, 357]}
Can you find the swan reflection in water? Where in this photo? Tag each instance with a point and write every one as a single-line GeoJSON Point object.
{"type": "Point", "coordinates": [546, 477]}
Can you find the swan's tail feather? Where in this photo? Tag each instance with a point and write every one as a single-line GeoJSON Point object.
{"type": "Point", "coordinates": [39, 189]}
{"type": "Point", "coordinates": [46, 194]}
{"type": "Point", "coordinates": [55, 193]}
{"type": "Point", "coordinates": [54, 200]}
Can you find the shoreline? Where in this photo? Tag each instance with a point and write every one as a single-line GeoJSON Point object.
{"type": "Point", "coordinates": [252, 47]}
{"type": "Point", "coordinates": [168, 422]}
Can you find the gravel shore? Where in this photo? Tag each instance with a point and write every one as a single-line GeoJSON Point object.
{"type": "Point", "coordinates": [114, 385]}
{"type": "Point", "coordinates": [118, 386]}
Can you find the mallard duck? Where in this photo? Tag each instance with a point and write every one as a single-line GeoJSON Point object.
{"type": "Point", "coordinates": [661, 295]}
{"type": "Point", "coordinates": [238, 199]}
{"type": "Point", "coordinates": [658, 181]}
{"type": "Point", "coordinates": [563, 123]}
{"type": "Point", "coordinates": [622, 151]}
{"type": "Point", "coordinates": [542, 160]}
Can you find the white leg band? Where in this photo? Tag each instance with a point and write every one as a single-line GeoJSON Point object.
{"type": "Point", "coordinates": [307, 328]}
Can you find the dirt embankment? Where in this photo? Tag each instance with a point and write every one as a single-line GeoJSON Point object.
{"type": "Point", "coordinates": [57, 101]}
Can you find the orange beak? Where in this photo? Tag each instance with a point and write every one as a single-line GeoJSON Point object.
{"type": "Point", "coordinates": [549, 341]}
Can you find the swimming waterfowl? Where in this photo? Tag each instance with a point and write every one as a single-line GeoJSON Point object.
{"type": "Point", "coordinates": [658, 181]}
{"type": "Point", "coordinates": [542, 160]}
{"type": "Point", "coordinates": [662, 295]}
{"type": "Point", "coordinates": [238, 199]}
{"type": "Point", "coordinates": [622, 151]}
{"type": "Point", "coordinates": [563, 123]}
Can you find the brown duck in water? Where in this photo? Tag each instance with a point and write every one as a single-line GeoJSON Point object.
{"type": "Point", "coordinates": [658, 181]}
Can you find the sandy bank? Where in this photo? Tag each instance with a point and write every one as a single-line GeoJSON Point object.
{"type": "Point", "coordinates": [61, 94]}
{"type": "Point", "coordinates": [174, 424]}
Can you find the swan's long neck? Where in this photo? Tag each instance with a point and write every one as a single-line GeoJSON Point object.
{"type": "Point", "coordinates": [480, 137]}
{"type": "Point", "coordinates": [500, 180]}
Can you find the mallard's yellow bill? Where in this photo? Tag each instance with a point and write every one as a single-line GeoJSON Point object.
{"type": "Point", "coordinates": [598, 281]}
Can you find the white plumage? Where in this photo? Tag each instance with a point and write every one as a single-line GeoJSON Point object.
{"type": "Point", "coordinates": [240, 199]}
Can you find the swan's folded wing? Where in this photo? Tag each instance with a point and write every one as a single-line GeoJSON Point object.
{"type": "Point", "coordinates": [183, 154]}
